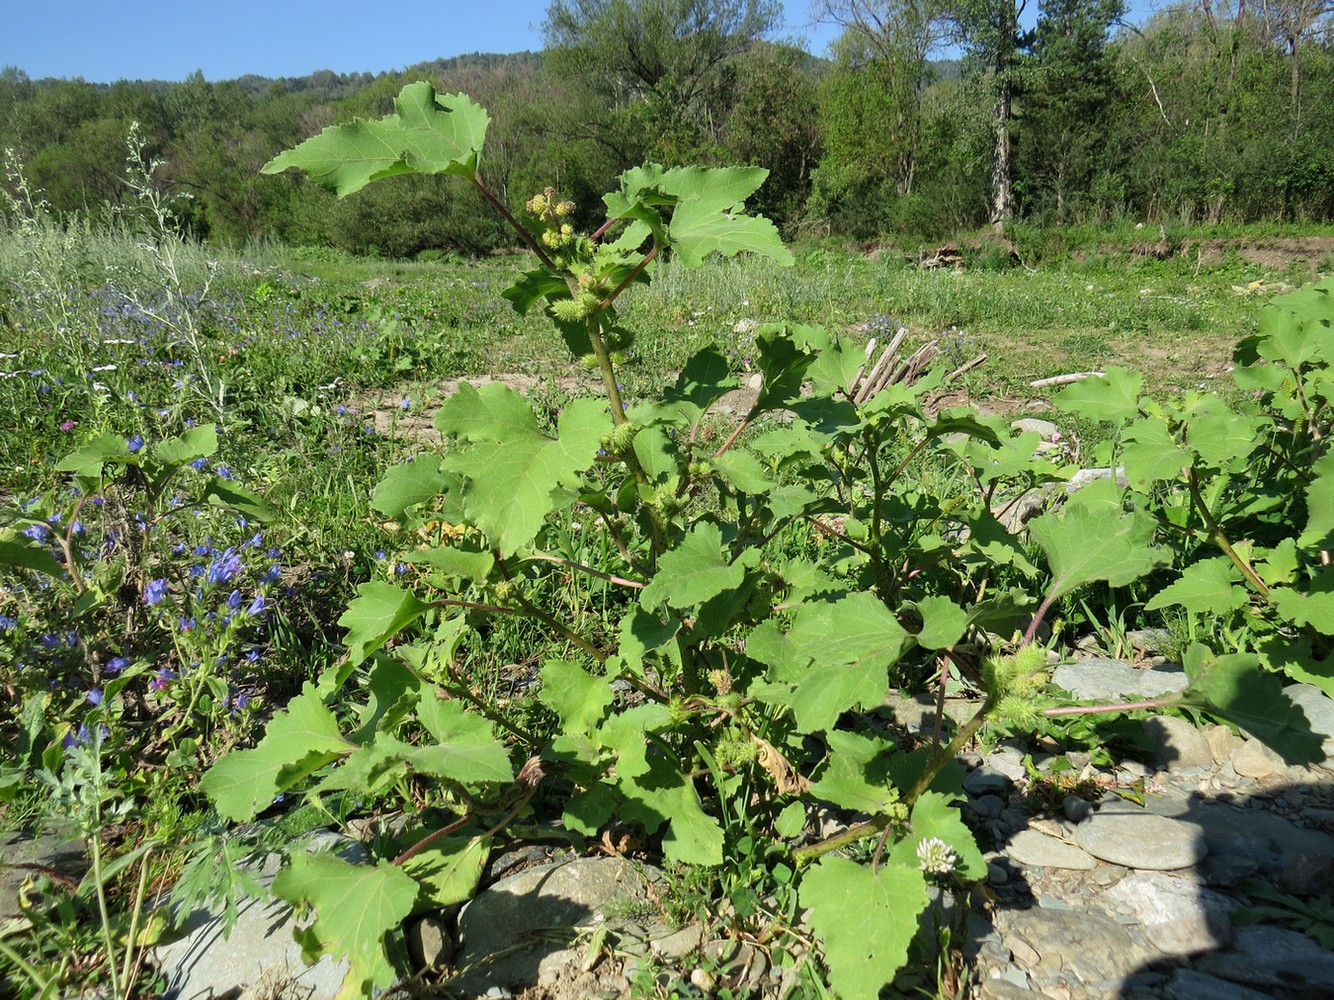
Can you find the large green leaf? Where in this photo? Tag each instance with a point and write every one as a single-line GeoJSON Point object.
{"type": "Point", "coordinates": [935, 818]}
{"type": "Point", "coordinates": [463, 749]}
{"type": "Point", "coordinates": [1298, 328]}
{"type": "Point", "coordinates": [865, 920]}
{"type": "Point", "coordinates": [232, 495]}
{"type": "Point", "coordinates": [1113, 397]}
{"type": "Point", "coordinates": [1234, 688]}
{"type": "Point", "coordinates": [298, 742]}
{"type": "Point", "coordinates": [430, 134]}
{"type": "Point", "coordinates": [1220, 435]}
{"type": "Point", "coordinates": [513, 469]}
{"type": "Point", "coordinates": [448, 871]}
{"type": "Point", "coordinates": [663, 795]}
{"type": "Point", "coordinates": [378, 613]}
{"type": "Point", "coordinates": [836, 656]}
{"type": "Point", "coordinates": [407, 484]}
{"type": "Point", "coordinates": [357, 910]}
{"type": "Point", "coordinates": [1319, 531]}
{"type": "Point", "coordinates": [579, 698]}
{"type": "Point", "coordinates": [1084, 545]}
{"type": "Point", "coordinates": [1211, 587]}
{"type": "Point", "coordinates": [943, 622]}
{"type": "Point", "coordinates": [698, 230]}
{"type": "Point", "coordinates": [1152, 455]}
{"type": "Point", "coordinates": [704, 380]}
{"type": "Point", "coordinates": [30, 555]}
{"type": "Point", "coordinates": [856, 775]}
{"type": "Point", "coordinates": [694, 571]}
{"type": "Point", "coordinates": [197, 442]}
{"type": "Point", "coordinates": [87, 462]}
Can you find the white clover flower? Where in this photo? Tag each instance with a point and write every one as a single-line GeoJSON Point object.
{"type": "Point", "coordinates": [936, 857]}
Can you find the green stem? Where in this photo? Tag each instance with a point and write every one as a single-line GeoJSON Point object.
{"type": "Point", "coordinates": [519, 228]}
{"type": "Point", "coordinates": [135, 913]}
{"type": "Point", "coordinates": [95, 848]}
{"type": "Point", "coordinates": [952, 750]}
{"type": "Point", "coordinates": [609, 577]}
{"type": "Point", "coordinates": [551, 623]}
{"type": "Point", "coordinates": [852, 834]}
{"type": "Point", "coordinates": [1218, 538]}
{"type": "Point", "coordinates": [625, 282]}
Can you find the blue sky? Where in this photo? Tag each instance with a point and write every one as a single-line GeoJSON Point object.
{"type": "Point", "coordinates": [107, 40]}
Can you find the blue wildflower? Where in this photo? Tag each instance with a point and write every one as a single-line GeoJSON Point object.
{"type": "Point", "coordinates": [135, 443]}
{"type": "Point", "coordinates": [117, 664]}
{"type": "Point", "coordinates": [36, 532]}
{"type": "Point", "coordinates": [199, 464]}
{"type": "Point", "coordinates": [224, 568]}
{"type": "Point", "coordinates": [155, 591]}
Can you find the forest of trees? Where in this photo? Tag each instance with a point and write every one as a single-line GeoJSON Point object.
{"type": "Point", "coordinates": [1209, 111]}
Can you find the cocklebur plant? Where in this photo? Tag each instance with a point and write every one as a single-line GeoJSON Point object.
{"type": "Point", "coordinates": [1246, 493]}
{"type": "Point", "coordinates": [756, 591]}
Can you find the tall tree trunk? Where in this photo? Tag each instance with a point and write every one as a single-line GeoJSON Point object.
{"type": "Point", "coordinates": [1002, 188]}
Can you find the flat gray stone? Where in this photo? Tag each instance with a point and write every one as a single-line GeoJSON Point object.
{"type": "Point", "coordinates": [1319, 709]}
{"type": "Point", "coordinates": [259, 958]}
{"type": "Point", "coordinates": [25, 858]}
{"type": "Point", "coordinates": [1086, 942]}
{"type": "Point", "coordinates": [1009, 762]}
{"type": "Point", "coordinates": [1037, 849]}
{"type": "Point", "coordinates": [1264, 955]}
{"type": "Point", "coordinates": [985, 780]}
{"type": "Point", "coordinates": [1100, 678]}
{"type": "Point", "coordinates": [1294, 856]}
{"type": "Point", "coordinates": [1188, 984]}
{"type": "Point", "coordinates": [516, 911]}
{"type": "Point", "coordinates": [1180, 916]}
{"type": "Point", "coordinates": [1177, 743]}
{"type": "Point", "coordinates": [1255, 760]}
{"type": "Point", "coordinates": [1141, 840]}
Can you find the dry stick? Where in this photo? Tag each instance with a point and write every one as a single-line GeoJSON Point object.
{"type": "Point", "coordinates": [857, 376]}
{"type": "Point", "coordinates": [966, 367]}
{"type": "Point", "coordinates": [609, 577]}
{"type": "Point", "coordinates": [1043, 383]}
{"type": "Point", "coordinates": [868, 386]}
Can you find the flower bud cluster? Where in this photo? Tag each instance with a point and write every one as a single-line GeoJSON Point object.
{"type": "Point", "coordinates": [557, 232]}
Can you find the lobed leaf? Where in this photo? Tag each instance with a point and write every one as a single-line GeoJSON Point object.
{"type": "Point", "coordinates": [865, 920]}
{"type": "Point", "coordinates": [378, 613]}
{"type": "Point", "coordinates": [1113, 397]}
{"type": "Point", "coordinates": [298, 742]}
{"type": "Point", "coordinates": [1234, 688]}
{"type": "Point", "coordinates": [357, 910]}
{"type": "Point", "coordinates": [430, 134]}
{"type": "Point", "coordinates": [513, 468]}
{"type": "Point", "coordinates": [1084, 545]}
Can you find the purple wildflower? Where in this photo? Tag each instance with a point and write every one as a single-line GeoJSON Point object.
{"type": "Point", "coordinates": [224, 568]}
{"type": "Point", "coordinates": [155, 591]}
